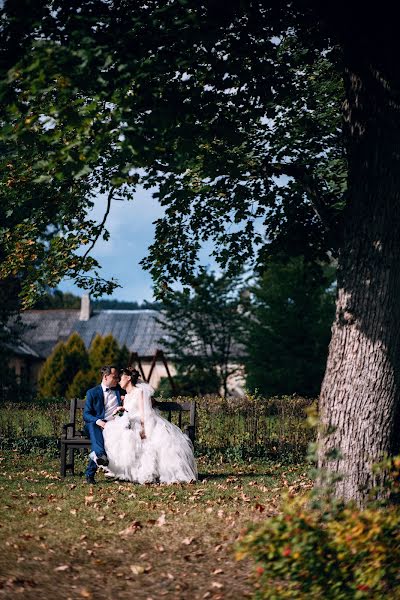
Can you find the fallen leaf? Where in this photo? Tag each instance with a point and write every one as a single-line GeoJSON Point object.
{"type": "Point", "coordinates": [133, 527]}
{"type": "Point", "coordinates": [137, 569]}
{"type": "Point", "coordinates": [161, 520]}
{"type": "Point", "coordinates": [217, 584]}
{"type": "Point", "coordinates": [62, 568]}
{"type": "Point", "coordinates": [187, 541]}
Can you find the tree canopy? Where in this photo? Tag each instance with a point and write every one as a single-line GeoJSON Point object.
{"type": "Point", "coordinates": [211, 105]}
{"type": "Point", "coordinates": [203, 332]}
{"type": "Point", "coordinates": [288, 331]}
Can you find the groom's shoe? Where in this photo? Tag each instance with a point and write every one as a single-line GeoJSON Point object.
{"type": "Point", "coordinates": [90, 479]}
{"type": "Point", "coordinates": [102, 460]}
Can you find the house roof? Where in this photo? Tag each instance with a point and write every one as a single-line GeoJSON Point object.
{"type": "Point", "coordinates": [22, 349]}
{"type": "Point", "coordinates": [45, 328]}
{"type": "Point", "coordinates": [139, 330]}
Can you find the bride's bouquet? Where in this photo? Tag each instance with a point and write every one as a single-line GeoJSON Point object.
{"type": "Point", "coordinates": [119, 411]}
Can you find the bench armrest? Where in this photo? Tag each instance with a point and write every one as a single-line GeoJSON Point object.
{"type": "Point", "coordinates": [65, 430]}
{"type": "Point", "coordinates": [190, 432]}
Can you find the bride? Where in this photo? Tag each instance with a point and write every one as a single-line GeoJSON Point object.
{"type": "Point", "coordinates": [142, 446]}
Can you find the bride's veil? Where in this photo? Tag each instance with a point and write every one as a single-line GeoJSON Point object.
{"type": "Point", "coordinates": [148, 411]}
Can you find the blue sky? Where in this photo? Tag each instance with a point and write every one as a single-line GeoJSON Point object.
{"type": "Point", "coordinates": [131, 228]}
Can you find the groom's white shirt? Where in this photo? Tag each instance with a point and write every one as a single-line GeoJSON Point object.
{"type": "Point", "coordinates": [110, 403]}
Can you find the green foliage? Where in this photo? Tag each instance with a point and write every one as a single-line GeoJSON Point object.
{"type": "Point", "coordinates": [123, 305]}
{"type": "Point", "coordinates": [252, 426]}
{"type": "Point", "coordinates": [104, 350]}
{"type": "Point", "coordinates": [123, 357]}
{"type": "Point", "coordinates": [330, 550]}
{"type": "Point", "coordinates": [240, 430]}
{"type": "Point", "coordinates": [195, 382]}
{"type": "Point", "coordinates": [214, 130]}
{"type": "Point", "coordinates": [54, 299]}
{"type": "Point", "coordinates": [52, 377]}
{"type": "Point", "coordinates": [61, 367]}
{"type": "Point", "coordinates": [70, 370]}
{"type": "Point", "coordinates": [289, 328]}
{"type": "Point", "coordinates": [202, 330]}
{"type": "Point", "coordinates": [81, 383]}
{"type": "Point", "coordinates": [10, 334]}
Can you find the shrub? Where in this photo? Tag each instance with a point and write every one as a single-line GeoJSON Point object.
{"type": "Point", "coordinates": [329, 550]}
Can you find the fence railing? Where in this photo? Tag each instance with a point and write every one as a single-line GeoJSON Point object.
{"type": "Point", "coordinates": [234, 429]}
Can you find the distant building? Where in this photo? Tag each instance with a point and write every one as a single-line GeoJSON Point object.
{"type": "Point", "coordinates": [139, 330]}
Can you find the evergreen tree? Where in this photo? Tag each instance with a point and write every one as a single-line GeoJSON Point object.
{"type": "Point", "coordinates": [123, 357]}
{"type": "Point", "coordinates": [289, 328]}
{"type": "Point", "coordinates": [81, 383]}
{"type": "Point", "coordinates": [61, 367]}
{"type": "Point", "coordinates": [104, 350]}
{"type": "Point", "coordinates": [77, 356]}
{"type": "Point", "coordinates": [53, 375]}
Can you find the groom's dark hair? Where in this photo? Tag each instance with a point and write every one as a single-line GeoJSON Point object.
{"type": "Point", "coordinates": [106, 370]}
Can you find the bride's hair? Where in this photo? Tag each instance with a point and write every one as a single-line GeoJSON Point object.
{"type": "Point", "coordinates": [133, 374]}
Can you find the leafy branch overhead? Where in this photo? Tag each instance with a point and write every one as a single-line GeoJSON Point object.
{"type": "Point", "coordinates": [233, 114]}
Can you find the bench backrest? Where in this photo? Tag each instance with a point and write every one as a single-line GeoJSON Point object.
{"type": "Point", "coordinates": [169, 407]}
{"type": "Point", "coordinates": [179, 407]}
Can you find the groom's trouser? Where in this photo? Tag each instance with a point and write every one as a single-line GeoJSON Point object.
{"type": "Point", "coordinates": [96, 439]}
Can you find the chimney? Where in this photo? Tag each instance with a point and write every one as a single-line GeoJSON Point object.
{"type": "Point", "coordinates": [85, 308]}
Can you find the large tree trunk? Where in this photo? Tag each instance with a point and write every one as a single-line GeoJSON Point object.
{"type": "Point", "coordinates": [359, 401]}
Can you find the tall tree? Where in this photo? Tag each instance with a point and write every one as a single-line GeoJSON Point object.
{"type": "Point", "coordinates": [61, 367]}
{"type": "Point", "coordinates": [53, 381]}
{"type": "Point", "coordinates": [203, 331]}
{"type": "Point", "coordinates": [215, 103]}
{"type": "Point", "coordinates": [289, 328]}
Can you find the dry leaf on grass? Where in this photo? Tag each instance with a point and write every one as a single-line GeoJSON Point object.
{"type": "Point", "coordinates": [187, 541]}
{"type": "Point", "coordinates": [63, 568]}
{"type": "Point", "coordinates": [161, 520]}
{"type": "Point", "coordinates": [137, 569]}
{"type": "Point", "coordinates": [132, 528]}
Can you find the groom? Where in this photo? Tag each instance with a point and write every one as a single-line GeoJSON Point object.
{"type": "Point", "coordinates": [101, 403]}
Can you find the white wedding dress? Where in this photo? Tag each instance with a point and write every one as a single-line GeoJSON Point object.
{"type": "Point", "coordinates": [166, 453]}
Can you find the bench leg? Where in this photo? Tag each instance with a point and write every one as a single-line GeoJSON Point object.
{"type": "Point", "coordinates": [71, 460]}
{"type": "Point", "coordinates": [63, 465]}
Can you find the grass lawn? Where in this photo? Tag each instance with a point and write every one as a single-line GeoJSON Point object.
{"type": "Point", "coordinates": [65, 539]}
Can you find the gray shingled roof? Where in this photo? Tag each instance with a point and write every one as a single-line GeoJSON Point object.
{"type": "Point", "coordinates": [137, 329]}
{"type": "Point", "coordinates": [44, 328]}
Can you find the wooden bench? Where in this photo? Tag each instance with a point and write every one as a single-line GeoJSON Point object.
{"type": "Point", "coordinates": [73, 438]}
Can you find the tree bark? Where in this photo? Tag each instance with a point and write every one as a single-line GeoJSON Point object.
{"type": "Point", "coordinates": [359, 402]}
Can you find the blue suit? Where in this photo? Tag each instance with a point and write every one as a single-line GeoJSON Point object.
{"type": "Point", "coordinates": [93, 411]}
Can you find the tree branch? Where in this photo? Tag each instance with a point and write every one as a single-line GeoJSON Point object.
{"type": "Point", "coordinates": [101, 226]}
{"type": "Point", "coordinates": [303, 175]}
